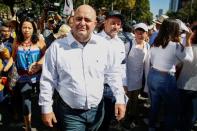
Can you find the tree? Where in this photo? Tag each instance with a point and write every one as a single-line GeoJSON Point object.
{"type": "Point", "coordinates": [138, 9]}
{"type": "Point", "coordinates": [187, 14]}
{"type": "Point", "coordinates": [124, 6]}
{"type": "Point", "coordinates": [142, 12]}
{"type": "Point", "coordinates": [11, 3]}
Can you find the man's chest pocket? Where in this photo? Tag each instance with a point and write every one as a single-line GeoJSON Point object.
{"type": "Point", "coordinates": [97, 64]}
{"type": "Point", "coordinates": [70, 62]}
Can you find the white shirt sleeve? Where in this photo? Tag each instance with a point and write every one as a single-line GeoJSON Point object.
{"type": "Point", "coordinates": [189, 54]}
{"type": "Point", "coordinates": [146, 69]}
{"type": "Point", "coordinates": [123, 67]}
{"type": "Point", "coordinates": [48, 80]}
{"type": "Point", "coordinates": [184, 53]}
{"type": "Point", "coordinates": [113, 76]}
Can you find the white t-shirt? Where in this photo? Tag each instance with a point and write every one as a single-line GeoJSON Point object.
{"type": "Point", "coordinates": [167, 58]}
{"type": "Point", "coordinates": [188, 76]}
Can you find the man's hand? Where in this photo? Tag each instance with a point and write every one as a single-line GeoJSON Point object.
{"type": "Point", "coordinates": [48, 119]}
{"type": "Point", "coordinates": [120, 110]}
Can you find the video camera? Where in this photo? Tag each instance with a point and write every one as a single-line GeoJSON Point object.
{"type": "Point", "coordinates": [56, 24]}
{"type": "Point", "coordinates": [21, 14]}
{"type": "Point", "coordinates": [48, 6]}
{"type": "Point", "coordinates": [51, 11]}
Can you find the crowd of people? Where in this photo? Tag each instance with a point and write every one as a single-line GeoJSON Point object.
{"type": "Point", "coordinates": [88, 71]}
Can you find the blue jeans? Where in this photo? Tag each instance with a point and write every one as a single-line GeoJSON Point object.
{"type": "Point", "coordinates": [28, 91]}
{"type": "Point", "coordinates": [79, 120]}
{"type": "Point", "coordinates": [163, 90]}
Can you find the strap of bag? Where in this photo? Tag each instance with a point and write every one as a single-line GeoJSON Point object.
{"type": "Point", "coordinates": [130, 46]}
{"type": "Point", "coordinates": [130, 42]}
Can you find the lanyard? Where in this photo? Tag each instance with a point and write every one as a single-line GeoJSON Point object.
{"type": "Point", "coordinates": [27, 55]}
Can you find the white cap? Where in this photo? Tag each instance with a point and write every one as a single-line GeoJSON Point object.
{"type": "Point", "coordinates": [182, 26]}
{"type": "Point", "coordinates": [142, 26]}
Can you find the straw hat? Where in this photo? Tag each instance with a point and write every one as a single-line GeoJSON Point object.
{"type": "Point", "coordinates": [160, 19]}
{"type": "Point", "coordinates": [182, 26]}
{"type": "Point", "coordinates": [63, 31]}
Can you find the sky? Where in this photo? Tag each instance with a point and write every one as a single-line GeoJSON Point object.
{"type": "Point", "coordinates": [155, 5]}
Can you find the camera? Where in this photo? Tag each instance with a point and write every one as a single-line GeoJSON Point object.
{"type": "Point", "coordinates": [21, 14]}
{"type": "Point", "coordinates": [48, 6]}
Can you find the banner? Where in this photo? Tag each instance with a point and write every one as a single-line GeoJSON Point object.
{"type": "Point", "coordinates": [68, 7]}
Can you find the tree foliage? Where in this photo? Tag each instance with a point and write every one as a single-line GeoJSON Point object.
{"type": "Point", "coordinates": [11, 3]}
{"type": "Point", "coordinates": [125, 6]}
{"type": "Point", "coordinates": [132, 9]}
{"type": "Point", "coordinates": [187, 14]}
{"type": "Point", "coordinates": [142, 12]}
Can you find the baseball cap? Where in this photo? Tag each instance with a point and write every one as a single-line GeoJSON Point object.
{"type": "Point", "coordinates": [142, 26]}
{"type": "Point", "coordinates": [115, 13]}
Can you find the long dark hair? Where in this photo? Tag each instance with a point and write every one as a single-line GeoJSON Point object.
{"type": "Point", "coordinates": [169, 31]}
{"type": "Point", "coordinates": [20, 37]}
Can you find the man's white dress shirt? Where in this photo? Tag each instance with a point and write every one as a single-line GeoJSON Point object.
{"type": "Point", "coordinates": [77, 72]}
{"type": "Point", "coordinates": [117, 44]}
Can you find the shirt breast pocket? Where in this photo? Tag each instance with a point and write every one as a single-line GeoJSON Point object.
{"type": "Point", "coordinates": [98, 65]}
{"type": "Point", "coordinates": [69, 63]}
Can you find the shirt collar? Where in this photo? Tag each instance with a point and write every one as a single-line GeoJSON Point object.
{"type": "Point", "coordinates": [135, 43]}
{"type": "Point", "coordinates": [104, 34]}
{"type": "Point", "coordinates": [74, 43]}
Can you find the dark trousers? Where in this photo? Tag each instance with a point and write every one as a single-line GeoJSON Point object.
{"type": "Point", "coordinates": [187, 109]}
{"type": "Point", "coordinates": [132, 107]}
{"type": "Point", "coordinates": [109, 106]}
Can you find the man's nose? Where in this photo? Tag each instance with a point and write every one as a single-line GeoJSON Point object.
{"type": "Point", "coordinates": [83, 21]}
{"type": "Point", "coordinates": [115, 27]}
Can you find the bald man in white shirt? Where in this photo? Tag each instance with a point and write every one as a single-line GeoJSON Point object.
{"type": "Point", "coordinates": [76, 67]}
